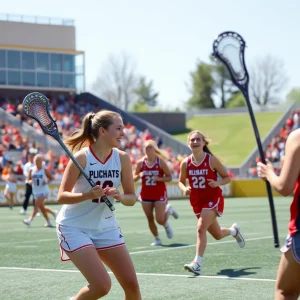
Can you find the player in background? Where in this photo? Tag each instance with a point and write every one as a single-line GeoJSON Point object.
{"type": "Point", "coordinates": [88, 231]}
{"type": "Point", "coordinates": [154, 172]}
{"type": "Point", "coordinates": [39, 177]}
{"type": "Point", "coordinates": [287, 283]}
{"type": "Point", "coordinates": [28, 187]}
{"type": "Point", "coordinates": [11, 186]}
{"type": "Point", "coordinates": [201, 169]}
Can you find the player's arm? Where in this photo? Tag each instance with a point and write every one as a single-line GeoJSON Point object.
{"type": "Point", "coordinates": [182, 177]}
{"type": "Point", "coordinates": [30, 176]}
{"type": "Point", "coordinates": [285, 183]}
{"type": "Point", "coordinates": [128, 198]}
{"type": "Point", "coordinates": [71, 174]}
{"type": "Point", "coordinates": [218, 166]}
{"type": "Point", "coordinates": [167, 173]}
{"type": "Point", "coordinates": [48, 175]}
{"type": "Point", "coordinates": [137, 171]}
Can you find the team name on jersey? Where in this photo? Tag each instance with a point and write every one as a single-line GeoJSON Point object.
{"type": "Point", "coordinates": [198, 172]}
{"type": "Point", "coordinates": [38, 176]}
{"type": "Point", "coordinates": [150, 172]}
{"type": "Point", "coordinates": [104, 173]}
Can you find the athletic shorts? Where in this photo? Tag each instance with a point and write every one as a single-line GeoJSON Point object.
{"type": "Point", "coordinates": [36, 195]}
{"type": "Point", "coordinates": [11, 187]}
{"type": "Point", "coordinates": [218, 204]}
{"type": "Point", "coordinates": [73, 239]}
{"type": "Point", "coordinates": [152, 201]}
{"type": "Point", "coordinates": [293, 243]}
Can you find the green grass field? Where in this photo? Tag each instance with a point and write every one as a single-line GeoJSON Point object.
{"type": "Point", "coordinates": [231, 132]}
{"type": "Point", "coordinates": [30, 266]}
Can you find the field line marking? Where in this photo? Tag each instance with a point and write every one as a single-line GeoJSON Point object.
{"type": "Point", "coordinates": [194, 245]}
{"type": "Point", "coordinates": [144, 274]}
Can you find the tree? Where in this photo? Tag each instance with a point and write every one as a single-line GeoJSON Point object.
{"type": "Point", "coordinates": [223, 86]}
{"type": "Point", "coordinates": [237, 100]}
{"type": "Point", "coordinates": [267, 80]}
{"type": "Point", "coordinates": [145, 94]}
{"type": "Point", "coordinates": [294, 96]}
{"type": "Point", "coordinates": [202, 87]}
{"type": "Point", "coordinates": [116, 81]}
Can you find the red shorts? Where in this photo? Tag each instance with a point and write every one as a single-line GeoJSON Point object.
{"type": "Point", "coordinates": [218, 204]}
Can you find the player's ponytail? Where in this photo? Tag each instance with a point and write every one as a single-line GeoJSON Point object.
{"type": "Point", "coordinates": [89, 131]}
{"type": "Point", "coordinates": [160, 153]}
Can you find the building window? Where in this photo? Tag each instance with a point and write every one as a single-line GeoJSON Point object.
{"type": "Point", "coordinates": [28, 78]}
{"type": "Point", "coordinates": [14, 59]}
{"type": "Point", "coordinates": [56, 62]}
{"type": "Point", "coordinates": [43, 79]}
{"type": "Point", "coordinates": [42, 61]}
{"type": "Point", "coordinates": [69, 63]}
{"type": "Point", "coordinates": [69, 81]}
{"type": "Point", "coordinates": [2, 77]}
{"type": "Point", "coordinates": [28, 62]}
{"type": "Point", "coordinates": [56, 80]}
{"type": "Point", "coordinates": [14, 78]}
{"type": "Point", "coordinates": [2, 59]}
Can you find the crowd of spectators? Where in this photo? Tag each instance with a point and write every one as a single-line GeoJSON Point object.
{"type": "Point", "coordinates": [275, 150]}
{"type": "Point", "coordinates": [67, 111]}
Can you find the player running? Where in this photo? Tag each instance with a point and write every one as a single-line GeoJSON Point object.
{"type": "Point", "coordinates": [201, 169]}
{"type": "Point", "coordinates": [154, 172]}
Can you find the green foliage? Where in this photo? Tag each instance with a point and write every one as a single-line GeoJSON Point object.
{"type": "Point", "coordinates": [202, 87]}
{"type": "Point", "coordinates": [145, 93]}
{"type": "Point", "coordinates": [236, 100]}
{"type": "Point", "coordinates": [294, 96]}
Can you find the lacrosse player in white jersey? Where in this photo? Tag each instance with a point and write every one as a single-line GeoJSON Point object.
{"type": "Point", "coordinates": [39, 177]}
{"type": "Point", "coordinates": [87, 229]}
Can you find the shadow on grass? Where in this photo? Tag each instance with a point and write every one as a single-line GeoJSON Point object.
{"type": "Point", "coordinates": [174, 245]}
{"type": "Point", "coordinates": [238, 272]}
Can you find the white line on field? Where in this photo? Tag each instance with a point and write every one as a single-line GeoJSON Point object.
{"type": "Point", "coordinates": [144, 274]}
{"type": "Point", "coordinates": [189, 246]}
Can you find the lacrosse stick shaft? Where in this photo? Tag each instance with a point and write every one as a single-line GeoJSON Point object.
{"type": "Point", "coordinates": [106, 200]}
{"type": "Point", "coordinates": [262, 157]}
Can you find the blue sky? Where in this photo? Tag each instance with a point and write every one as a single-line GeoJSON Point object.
{"type": "Point", "coordinates": [166, 38]}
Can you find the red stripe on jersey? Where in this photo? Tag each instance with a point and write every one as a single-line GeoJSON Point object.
{"type": "Point", "coordinates": [151, 189]}
{"type": "Point", "coordinates": [107, 158]}
{"type": "Point", "coordinates": [198, 176]}
{"type": "Point", "coordinates": [294, 225]}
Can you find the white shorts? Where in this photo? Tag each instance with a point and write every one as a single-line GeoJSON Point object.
{"type": "Point", "coordinates": [11, 187]}
{"type": "Point", "coordinates": [36, 195]}
{"type": "Point", "coordinates": [73, 239]}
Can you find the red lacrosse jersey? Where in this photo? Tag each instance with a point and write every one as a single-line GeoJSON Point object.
{"type": "Point", "coordinates": [202, 195]}
{"type": "Point", "coordinates": [151, 189]}
{"type": "Point", "coordinates": [294, 225]}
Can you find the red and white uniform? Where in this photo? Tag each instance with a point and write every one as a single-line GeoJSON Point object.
{"type": "Point", "coordinates": [202, 195]}
{"type": "Point", "coordinates": [152, 190]}
{"type": "Point", "coordinates": [294, 224]}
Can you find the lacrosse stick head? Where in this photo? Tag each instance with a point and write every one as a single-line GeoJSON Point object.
{"type": "Point", "coordinates": [229, 48]}
{"type": "Point", "coordinates": [36, 106]}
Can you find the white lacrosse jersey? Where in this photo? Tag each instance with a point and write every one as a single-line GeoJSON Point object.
{"type": "Point", "coordinates": [93, 213]}
{"type": "Point", "coordinates": [38, 178]}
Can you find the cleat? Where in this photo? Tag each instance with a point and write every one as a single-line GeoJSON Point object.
{"type": "Point", "coordinates": [169, 231]}
{"type": "Point", "coordinates": [238, 237]}
{"type": "Point", "coordinates": [157, 242]}
{"type": "Point", "coordinates": [193, 267]}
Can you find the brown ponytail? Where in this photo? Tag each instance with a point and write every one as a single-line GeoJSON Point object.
{"type": "Point", "coordinates": [89, 131]}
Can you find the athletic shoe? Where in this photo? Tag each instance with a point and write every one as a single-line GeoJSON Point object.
{"type": "Point", "coordinates": [157, 242]}
{"type": "Point", "coordinates": [169, 230]}
{"type": "Point", "coordinates": [27, 222]}
{"type": "Point", "coordinates": [193, 267]}
{"type": "Point", "coordinates": [23, 211]}
{"type": "Point", "coordinates": [172, 211]}
{"type": "Point", "coordinates": [238, 237]}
